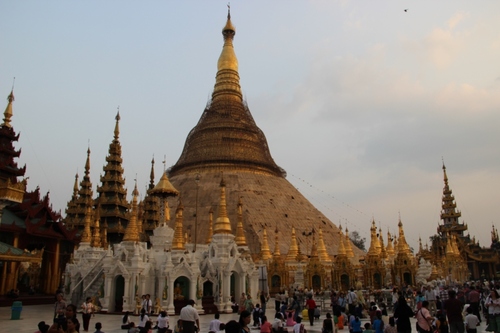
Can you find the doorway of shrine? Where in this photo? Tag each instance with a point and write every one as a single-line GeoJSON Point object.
{"type": "Point", "coordinates": [119, 293]}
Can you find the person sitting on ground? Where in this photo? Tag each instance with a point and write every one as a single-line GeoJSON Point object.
{"type": "Point", "coordinates": [162, 322]}
{"type": "Point", "coordinates": [289, 319]}
{"type": "Point", "coordinates": [368, 328]}
{"type": "Point", "coordinates": [317, 313]}
{"type": "Point", "coordinates": [215, 324]}
{"type": "Point", "coordinates": [42, 327]}
{"type": "Point", "coordinates": [98, 327]}
{"type": "Point", "coordinates": [299, 327]}
{"type": "Point", "coordinates": [355, 325]}
{"type": "Point", "coordinates": [132, 328]}
{"type": "Point", "coordinates": [265, 326]}
{"type": "Point", "coordinates": [391, 327]}
{"type": "Point", "coordinates": [278, 323]}
{"type": "Point", "coordinates": [126, 321]}
{"type": "Point", "coordinates": [232, 326]}
{"type": "Point", "coordinates": [148, 328]}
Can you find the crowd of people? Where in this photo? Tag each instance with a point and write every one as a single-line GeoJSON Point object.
{"type": "Point", "coordinates": [435, 308]}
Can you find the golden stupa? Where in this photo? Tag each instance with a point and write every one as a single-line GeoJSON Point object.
{"type": "Point", "coordinates": [226, 142]}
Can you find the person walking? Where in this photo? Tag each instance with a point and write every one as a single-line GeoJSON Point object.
{"type": "Point", "coordinates": [424, 318]}
{"type": "Point", "coordinates": [403, 313]}
{"type": "Point", "coordinates": [189, 317]}
{"type": "Point", "coordinates": [454, 308]}
{"type": "Point", "coordinates": [310, 305]}
{"type": "Point", "coordinates": [87, 311]}
{"type": "Point", "coordinates": [430, 297]}
{"type": "Point", "coordinates": [474, 298]}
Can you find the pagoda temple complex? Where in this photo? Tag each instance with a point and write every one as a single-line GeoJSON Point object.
{"type": "Point", "coordinates": [34, 245]}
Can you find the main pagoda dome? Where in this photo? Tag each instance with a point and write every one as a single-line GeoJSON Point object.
{"type": "Point", "coordinates": [227, 141]}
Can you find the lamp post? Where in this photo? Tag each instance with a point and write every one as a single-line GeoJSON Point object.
{"type": "Point", "coordinates": [197, 180]}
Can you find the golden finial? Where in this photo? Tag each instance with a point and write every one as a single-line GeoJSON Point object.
{"type": "Point", "coordinates": [210, 225]}
{"type": "Point", "coordinates": [8, 110]}
{"type": "Point", "coordinates": [164, 187]}
{"type": "Point", "coordinates": [75, 186]}
{"type": "Point", "coordinates": [383, 253]}
{"type": "Point", "coordinates": [240, 238]}
{"type": "Point", "coordinates": [86, 234]}
{"type": "Point", "coordinates": [132, 230]}
{"type": "Point", "coordinates": [265, 251]}
{"type": "Point", "coordinates": [403, 246]}
{"type": "Point", "coordinates": [117, 126]}
{"type": "Point", "coordinates": [222, 223]}
{"type": "Point", "coordinates": [293, 251]}
{"type": "Point", "coordinates": [389, 249]}
{"type": "Point", "coordinates": [227, 82]}
{"type": "Point", "coordinates": [152, 174]}
{"type": "Point", "coordinates": [314, 248]}
{"type": "Point", "coordinates": [178, 241]}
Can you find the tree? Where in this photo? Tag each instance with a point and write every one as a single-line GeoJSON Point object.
{"type": "Point", "coordinates": [357, 240]}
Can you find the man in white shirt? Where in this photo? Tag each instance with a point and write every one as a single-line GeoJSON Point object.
{"type": "Point", "coordinates": [430, 296]}
{"type": "Point", "coordinates": [188, 317]}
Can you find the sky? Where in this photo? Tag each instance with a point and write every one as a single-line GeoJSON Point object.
{"type": "Point", "coordinates": [360, 101]}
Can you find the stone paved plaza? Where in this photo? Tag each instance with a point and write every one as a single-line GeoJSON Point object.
{"type": "Point", "coordinates": [31, 315]}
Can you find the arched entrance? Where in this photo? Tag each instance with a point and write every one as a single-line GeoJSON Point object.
{"type": "Point", "coordinates": [181, 293]}
{"type": "Point", "coordinates": [377, 281]}
{"type": "Point", "coordinates": [344, 282]}
{"type": "Point", "coordinates": [316, 282]}
{"type": "Point", "coordinates": [407, 278]}
{"type": "Point", "coordinates": [275, 284]}
{"type": "Point", "coordinates": [119, 293]}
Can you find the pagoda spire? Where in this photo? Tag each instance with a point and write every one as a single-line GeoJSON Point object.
{"type": "Point", "coordinates": [115, 206]}
{"type": "Point", "coordinates": [226, 137]}
{"type": "Point", "coordinates": [314, 248]}
{"type": "Point", "coordinates": [277, 252]}
{"type": "Point", "coordinates": [240, 238]}
{"type": "Point", "coordinates": [403, 246]}
{"type": "Point", "coordinates": [389, 249]}
{"type": "Point", "coordinates": [449, 213]}
{"type": "Point", "coordinates": [372, 250]}
{"type": "Point", "coordinates": [96, 234]}
{"type": "Point", "coordinates": [75, 188]}
{"type": "Point", "coordinates": [293, 251]}
{"type": "Point", "coordinates": [383, 253]}
{"type": "Point", "coordinates": [8, 110]}
{"type": "Point", "coordinates": [152, 175]}
{"type": "Point", "coordinates": [341, 250]}
{"type": "Point", "coordinates": [132, 232]}
{"type": "Point", "coordinates": [348, 245]}
{"type": "Point", "coordinates": [322, 252]}
{"type": "Point", "coordinates": [265, 251]}
{"type": "Point", "coordinates": [178, 243]}
{"type": "Point", "coordinates": [222, 223]}
{"type": "Point", "coordinates": [86, 228]}
{"type": "Point", "coordinates": [210, 232]}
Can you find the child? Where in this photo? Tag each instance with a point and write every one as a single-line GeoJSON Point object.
{"type": "Point", "coordinates": [214, 324]}
{"type": "Point", "coordinates": [299, 327]}
{"type": "Point", "coordinates": [355, 325]}
{"type": "Point", "coordinates": [368, 328]}
{"type": "Point", "coordinates": [471, 321]}
{"type": "Point", "coordinates": [98, 327]}
{"type": "Point", "coordinates": [317, 313]}
{"type": "Point", "coordinates": [257, 313]}
{"type": "Point", "coordinates": [289, 319]}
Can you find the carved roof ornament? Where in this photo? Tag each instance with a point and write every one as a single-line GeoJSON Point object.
{"type": "Point", "coordinates": [8, 110]}
{"type": "Point", "coordinates": [240, 238]}
{"type": "Point", "coordinates": [222, 223]}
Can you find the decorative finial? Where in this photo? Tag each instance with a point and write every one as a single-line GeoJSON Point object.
{"type": "Point", "coordinates": [228, 10]}
{"type": "Point", "coordinates": [164, 163]}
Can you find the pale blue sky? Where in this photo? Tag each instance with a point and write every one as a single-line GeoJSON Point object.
{"type": "Point", "coordinates": [359, 100]}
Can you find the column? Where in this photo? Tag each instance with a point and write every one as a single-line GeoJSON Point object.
{"type": "Point", "coordinates": [56, 278]}
{"type": "Point", "coordinates": [126, 294]}
{"type": "Point", "coordinates": [170, 297]}
{"type": "Point", "coordinates": [226, 293]}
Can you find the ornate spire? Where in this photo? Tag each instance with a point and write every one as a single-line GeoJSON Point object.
{"type": "Point", "coordinates": [293, 251]}
{"type": "Point", "coordinates": [210, 225]}
{"type": "Point", "coordinates": [383, 253]}
{"type": "Point", "coordinates": [75, 188]}
{"type": "Point", "coordinates": [373, 250]}
{"type": "Point", "coordinates": [265, 251]}
{"type": "Point", "coordinates": [222, 224]}
{"type": "Point", "coordinates": [96, 233]}
{"type": "Point", "coordinates": [240, 238]}
{"type": "Point", "coordinates": [389, 249]}
{"type": "Point", "coordinates": [314, 248]}
{"type": "Point", "coordinates": [86, 229]}
{"type": "Point", "coordinates": [226, 137]}
{"type": "Point", "coordinates": [277, 253]}
{"type": "Point", "coordinates": [403, 246]}
{"type": "Point", "coordinates": [114, 207]}
{"type": "Point", "coordinates": [8, 110]}
{"type": "Point", "coordinates": [152, 175]}
{"type": "Point", "coordinates": [323, 253]}
{"type": "Point", "coordinates": [132, 232]}
{"type": "Point", "coordinates": [449, 213]}
{"type": "Point", "coordinates": [348, 245]}
{"type": "Point", "coordinates": [341, 250]}
{"type": "Point", "coordinates": [178, 241]}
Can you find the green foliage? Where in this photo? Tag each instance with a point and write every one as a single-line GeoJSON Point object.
{"type": "Point", "coordinates": [357, 240]}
